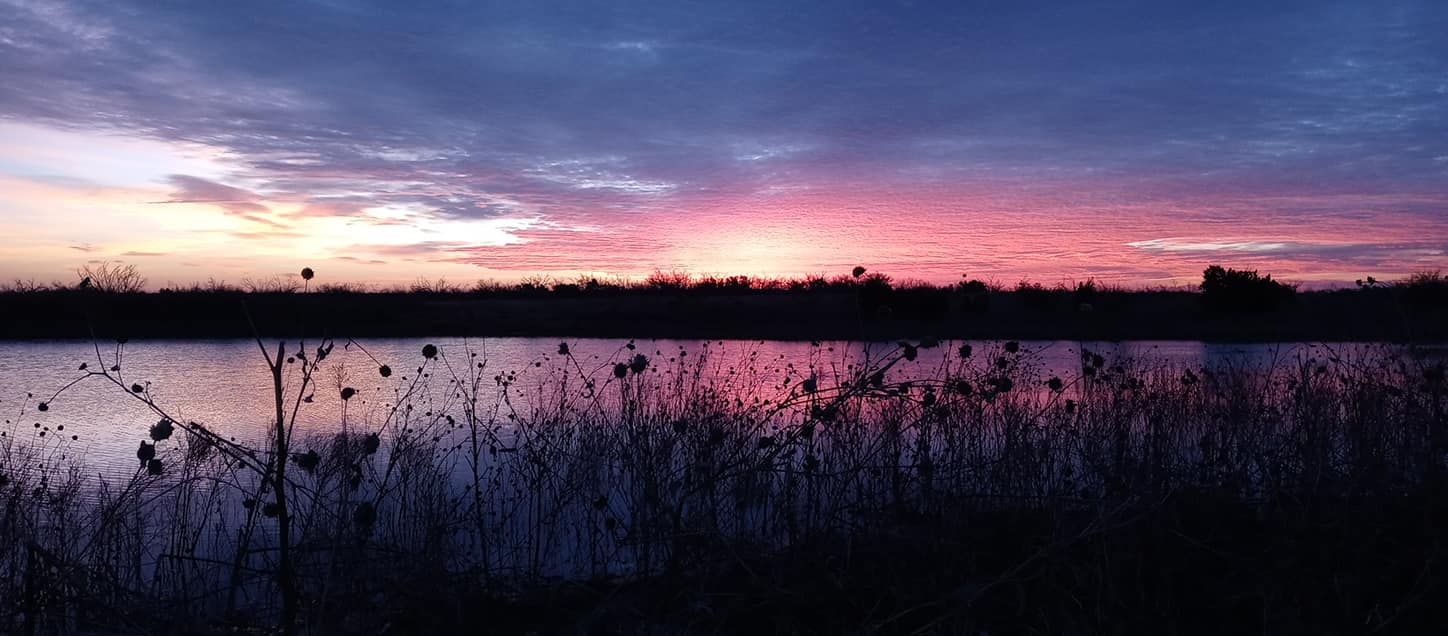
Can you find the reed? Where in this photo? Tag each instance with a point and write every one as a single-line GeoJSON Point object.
{"type": "Point", "coordinates": [689, 488]}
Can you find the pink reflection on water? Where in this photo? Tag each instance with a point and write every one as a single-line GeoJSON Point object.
{"type": "Point", "coordinates": [224, 384]}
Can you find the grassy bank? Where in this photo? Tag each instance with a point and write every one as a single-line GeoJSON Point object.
{"type": "Point", "coordinates": [844, 311]}
{"type": "Point", "coordinates": [681, 493]}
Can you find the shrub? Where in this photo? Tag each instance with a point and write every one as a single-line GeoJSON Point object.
{"type": "Point", "coordinates": [271, 285]}
{"type": "Point", "coordinates": [669, 281]}
{"type": "Point", "coordinates": [1243, 290]}
{"type": "Point", "coordinates": [975, 295]}
{"type": "Point", "coordinates": [111, 277]}
{"type": "Point", "coordinates": [1036, 297]}
{"type": "Point", "coordinates": [424, 285]}
{"type": "Point", "coordinates": [1086, 293]}
{"type": "Point", "coordinates": [1425, 289]}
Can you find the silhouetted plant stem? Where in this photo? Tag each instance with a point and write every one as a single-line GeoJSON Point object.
{"type": "Point", "coordinates": [286, 578]}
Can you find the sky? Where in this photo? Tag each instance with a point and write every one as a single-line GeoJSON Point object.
{"type": "Point", "coordinates": [1135, 142]}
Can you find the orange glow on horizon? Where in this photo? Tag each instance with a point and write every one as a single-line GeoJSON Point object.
{"type": "Point", "coordinates": [1052, 231]}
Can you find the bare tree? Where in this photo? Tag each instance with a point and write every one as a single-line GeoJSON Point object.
{"type": "Point", "coordinates": [106, 276]}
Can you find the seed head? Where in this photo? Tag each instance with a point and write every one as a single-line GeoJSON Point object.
{"type": "Point", "coordinates": [810, 385]}
{"type": "Point", "coordinates": [161, 430]}
{"type": "Point", "coordinates": [308, 461]}
{"type": "Point", "coordinates": [146, 452]}
{"type": "Point", "coordinates": [639, 364]}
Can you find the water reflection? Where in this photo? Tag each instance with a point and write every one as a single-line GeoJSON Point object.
{"type": "Point", "coordinates": [224, 384]}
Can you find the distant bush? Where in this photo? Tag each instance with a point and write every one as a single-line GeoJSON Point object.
{"type": "Point", "coordinates": [975, 295]}
{"type": "Point", "coordinates": [1425, 289]}
{"type": "Point", "coordinates": [876, 294]}
{"type": "Point", "coordinates": [1036, 297]}
{"type": "Point", "coordinates": [271, 285]}
{"type": "Point", "coordinates": [1086, 293]}
{"type": "Point", "coordinates": [536, 283]}
{"type": "Point", "coordinates": [29, 286]}
{"type": "Point", "coordinates": [111, 277]}
{"type": "Point", "coordinates": [424, 285]}
{"type": "Point", "coordinates": [732, 284]}
{"type": "Point", "coordinates": [489, 286]}
{"type": "Point", "coordinates": [921, 302]}
{"type": "Point", "coordinates": [343, 288]}
{"type": "Point", "coordinates": [1243, 290]}
{"type": "Point", "coordinates": [669, 281]}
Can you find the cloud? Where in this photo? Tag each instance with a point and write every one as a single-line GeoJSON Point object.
{"type": "Point", "coordinates": [362, 261]}
{"type": "Point", "coordinates": [1365, 254]}
{"type": "Point", "coordinates": [1180, 245]}
{"type": "Point", "coordinates": [239, 203]}
{"type": "Point", "coordinates": [570, 251]}
{"type": "Point", "coordinates": [265, 235]}
{"type": "Point", "coordinates": [197, 190]}
{"type": "Point", "coordinates": [598, 113]}
{"type": "Point", "coordinates": [459, 95]}
{"type": "Point", "coordinates": [422, 251]}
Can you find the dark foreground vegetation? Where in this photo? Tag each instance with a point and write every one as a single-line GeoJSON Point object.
{"type": "Point", "coordinates": [1229, 305]}
{"type": "Point", "coordinates": [671, 492]}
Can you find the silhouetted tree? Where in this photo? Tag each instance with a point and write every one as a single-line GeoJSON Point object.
{"type": "Point", "coordinates": [1242, 290]}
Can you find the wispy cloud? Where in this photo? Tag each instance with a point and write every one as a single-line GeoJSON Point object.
{"type": "Point", "coordinates": [363, 261]}
{"type": "Point", "coordinates": [237, 202]}
{"type": "Point", "coordinates": [1211, 247]}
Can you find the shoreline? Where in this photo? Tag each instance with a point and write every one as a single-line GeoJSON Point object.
{"type": "Point", "coordinates": [1337, 316]}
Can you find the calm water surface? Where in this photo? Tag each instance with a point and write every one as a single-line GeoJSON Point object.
{"type": "Point", "coordinates": [224, 384]}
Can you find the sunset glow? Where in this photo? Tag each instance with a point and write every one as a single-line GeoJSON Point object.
{"type": "Point", "coordinates": [1133, 142]}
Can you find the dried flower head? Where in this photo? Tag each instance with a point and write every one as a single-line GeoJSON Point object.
{"type": "Point", "coordinates": [162, 429]}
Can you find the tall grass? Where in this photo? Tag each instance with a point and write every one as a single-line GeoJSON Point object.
{"type": "Point", "coordinates": [915, 499]}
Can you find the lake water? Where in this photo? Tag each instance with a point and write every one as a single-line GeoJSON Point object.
{"type": "Point", "coordinates": [225, 385]}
